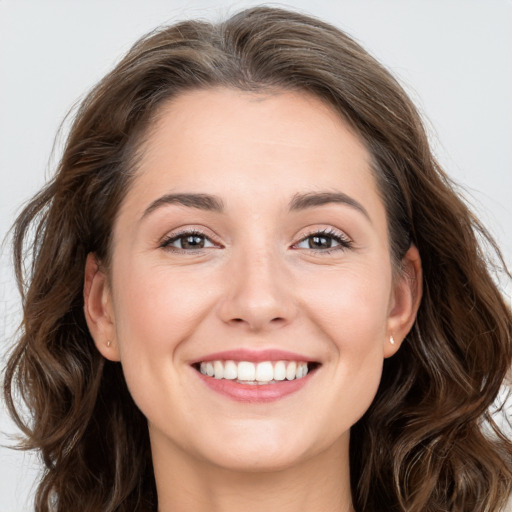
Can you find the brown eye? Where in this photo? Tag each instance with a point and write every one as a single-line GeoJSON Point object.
{"type": "Point", "coordinates": [187, 242]}
{"type": "Point", "coordinates": [319, 242]}
{"type": "Point", "coordinates": [191, 242]}
{"type": "Point", "coordinates": [324, 241]}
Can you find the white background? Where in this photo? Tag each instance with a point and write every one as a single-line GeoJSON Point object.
{"type": "Point", "coordinates": [453, 56]}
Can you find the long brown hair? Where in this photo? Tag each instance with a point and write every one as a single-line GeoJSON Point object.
{"type": "Point", "coordinates": [428, 441]}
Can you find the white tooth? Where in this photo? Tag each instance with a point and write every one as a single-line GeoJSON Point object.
{"type": "Point", "coordinates": [291, 370]}
{"type": "Point", "coordinates": [218, 369]}
{"type": "Point", "coordinates": [302, 369]}
{"type": "Point", "coordinates": [209, 369]}
{"type": "Point", "coordinates": [246, 370]}
{"type": "Point", "coordinates": [279, 371]}
{"type": "Point", "coordinates": [230, 370]}
{"type": "Point", "coordinates": [264, 371]}
{"type": "Point", "coordinates": [202, 368]}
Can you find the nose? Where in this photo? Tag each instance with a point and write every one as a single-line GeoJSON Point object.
{"type": "Point", "coordinates": [258, 294]}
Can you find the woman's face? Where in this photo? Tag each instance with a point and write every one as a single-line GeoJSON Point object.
{"type": "Point", "coordinates": [252, 240]}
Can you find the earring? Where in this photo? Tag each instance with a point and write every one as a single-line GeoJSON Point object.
{"type": "Point", "coordinates": [391, 340]}
{"type": "Point", "coordinates": [109, 343]}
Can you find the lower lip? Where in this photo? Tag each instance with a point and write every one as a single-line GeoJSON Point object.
{"type": "Point", "coordinates": [256, 393]}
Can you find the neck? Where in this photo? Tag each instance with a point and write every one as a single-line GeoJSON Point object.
{"type": "Point", "coordinates": [320, 483]}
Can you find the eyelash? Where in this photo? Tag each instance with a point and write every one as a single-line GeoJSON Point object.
{"type": "Point", "coordinates": [168, 240]}
{"type": "Point", "coordinates": [343, 241]}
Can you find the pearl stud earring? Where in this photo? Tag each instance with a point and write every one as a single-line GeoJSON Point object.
{"type": "Point", "coordinates": [391, 340]}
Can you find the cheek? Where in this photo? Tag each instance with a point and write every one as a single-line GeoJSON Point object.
{"type": "Point", "coordinates": [156, 308]}
{"type": "Point", "coordinates": [156, 311]}
{"type": "Point", "coordinates": [351, 312]}
{"type": "Point", "coordinates": [351, 306]}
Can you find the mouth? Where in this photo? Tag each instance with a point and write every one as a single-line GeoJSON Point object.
{"type": "Point", "coordinates": [256, 373]}
{"type": "Point", "coordinates": [255, 376]}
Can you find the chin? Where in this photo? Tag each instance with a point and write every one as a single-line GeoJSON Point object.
{"type": "Point", "coordinates": [260, 459]}
{"type": "Point", "coordinates": [265, 448]}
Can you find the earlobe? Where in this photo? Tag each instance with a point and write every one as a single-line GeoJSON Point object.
{"type": "Point", "coordinates": [98, 309]}
{"type": "Point", "coordinates": [407, 292]}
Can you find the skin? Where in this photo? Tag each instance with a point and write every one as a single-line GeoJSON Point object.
{"type": "Point", "coordinates": [257, 284]}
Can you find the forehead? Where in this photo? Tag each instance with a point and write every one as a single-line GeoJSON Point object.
{"type": "Point", "coordinates": [223, 141]}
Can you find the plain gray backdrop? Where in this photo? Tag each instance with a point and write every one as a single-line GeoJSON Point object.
{"type": "Point", "coordinates": [454, 57]}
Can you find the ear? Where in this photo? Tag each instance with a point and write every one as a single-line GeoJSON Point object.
{"type": "Point", "coordinates": [98, 309]}
{"type": "Point", "coordinates": [405, 301]}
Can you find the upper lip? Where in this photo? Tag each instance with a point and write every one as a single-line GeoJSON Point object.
{"type": "Point", "coordinates": [253, 355]}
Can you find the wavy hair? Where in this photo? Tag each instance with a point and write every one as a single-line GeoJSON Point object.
{"type": "Point", "coordinates": [428, 442]}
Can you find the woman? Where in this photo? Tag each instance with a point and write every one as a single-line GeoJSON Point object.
{"type": "Point", "coordinates": [254, 288]}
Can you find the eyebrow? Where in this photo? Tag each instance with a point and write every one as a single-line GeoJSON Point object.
{"type": "Point", "coordinates": [214, 203]}
{"type": "Point", "coordinates": [312, 199]}
{"type": "Point", "coordinates": [199, 201]}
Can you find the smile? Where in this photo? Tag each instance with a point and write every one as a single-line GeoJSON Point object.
{"type": "Point", "coordinates": [255, 376]}
{"type": "Point", "coordinates": [261, 373]}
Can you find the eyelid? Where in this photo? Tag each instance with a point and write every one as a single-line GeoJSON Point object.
{"type": "Point", "coordinates": [164, 242]}
{"type": "Point", "coordinates": [344, 241]}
